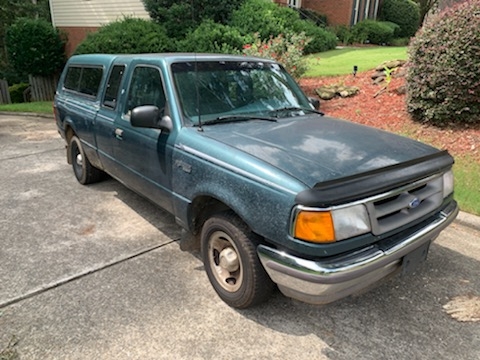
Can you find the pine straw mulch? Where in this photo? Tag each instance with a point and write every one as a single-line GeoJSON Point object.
{"type": "Point", "coordinates": [388, 111]}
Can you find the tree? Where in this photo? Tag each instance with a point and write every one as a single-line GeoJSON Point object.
{"type": "Point", "coordinates": [425, 6]}
{"type": "Point", "coordinates": [182, 16]}
{"type": "Point", "coordinates": [34, 47]}
{"type": "Point", "coordinates": [10, 10]}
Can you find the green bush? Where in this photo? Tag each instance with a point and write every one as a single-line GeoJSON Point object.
{"type": "Point", "coordinates": [211, 37]}
{"type": "Point", "coordinates": [320, 38]}
{"type": "Point", "coordinates": [343, 33]}
{"type": "Point", "coordinates": [267, 19]}
{"type": "Point", "coordinates": [400, 42]}
{"type": "Point", "coordinates": [180, 17]}
{"type": "Point", "coordinates": [395, 27]}
{"type": "Point", "coordinates": [127, 36]}
{"type": "Point", "coordinates": [287, 50]}
{"type": "Point", "coordinates": [263, 17]}
{"type": "Point", "coordinates": [372, 32]}
{"type": "Point", "coordinates": [405, 13]}
{"type": "Point", "coordinates": [16, 92]}
{"type": "Point", "coordinates": [35, 47]}
{"type": "Point", "coordinates": [443, 78]}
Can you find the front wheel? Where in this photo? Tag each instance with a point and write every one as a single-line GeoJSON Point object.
{"type": "Point", "coordinates": [231, 261]}
{"type": "Point", "coordinates": [82, 168]}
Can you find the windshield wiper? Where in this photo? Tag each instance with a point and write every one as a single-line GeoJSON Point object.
{"type": "Point", "coordinates": [231, 118]}
{"type": "Point", "coordinates": [295, 108]}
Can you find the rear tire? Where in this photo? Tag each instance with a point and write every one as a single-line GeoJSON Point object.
{"type": "Point", "coordinates": [82, 168]}
{"type": "Point", "coordinates": [229, 252]}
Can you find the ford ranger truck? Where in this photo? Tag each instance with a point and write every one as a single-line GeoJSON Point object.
{"type": "Point", "coordinates": [272, 191]}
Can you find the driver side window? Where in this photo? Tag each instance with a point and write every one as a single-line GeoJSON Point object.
{"type": "Point", "coordinates": [145, 89]}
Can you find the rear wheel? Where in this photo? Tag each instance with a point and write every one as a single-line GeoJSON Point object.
{"type": "Point", "coordinates": [82, 168]}
{"type": "Point", "coordinates": [231, 261]}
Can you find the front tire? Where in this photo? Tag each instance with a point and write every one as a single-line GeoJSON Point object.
{"type": "Point", "coordinates": [231, 261]}
{"type": "Point", "coordinates": [82, 168]}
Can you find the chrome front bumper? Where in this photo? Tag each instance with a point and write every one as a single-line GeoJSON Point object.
{"type": "Point", "coordinates": [324, 281]}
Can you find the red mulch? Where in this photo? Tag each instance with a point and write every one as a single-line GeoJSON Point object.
{"type": "Point", "coordinates": [388, 111]}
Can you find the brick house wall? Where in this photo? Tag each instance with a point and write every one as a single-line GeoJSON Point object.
{"type": "Point", "coordinates": [341, 12]}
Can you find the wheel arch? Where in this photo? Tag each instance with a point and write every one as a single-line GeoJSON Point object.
{"type": "Point", "coordinates": [69, 133]}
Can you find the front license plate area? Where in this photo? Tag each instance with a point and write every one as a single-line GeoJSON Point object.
{"type": "Point", "coordinates": [411, 261]}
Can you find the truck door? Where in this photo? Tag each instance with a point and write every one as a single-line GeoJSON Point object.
{"type": "Point", "coordinates": [143, 154]}
{"type": "Point", "coordinates": [104, 122]}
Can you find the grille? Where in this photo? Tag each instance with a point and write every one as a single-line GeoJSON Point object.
{"type": "Point", "coordinates": [404, 205]}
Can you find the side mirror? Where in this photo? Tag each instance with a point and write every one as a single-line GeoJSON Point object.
{"type": "Point", "coordinates": [148, 116]}
{"type": "Point", "coordinates": [315, 102]}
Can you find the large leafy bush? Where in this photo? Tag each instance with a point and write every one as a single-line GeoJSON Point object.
{"type": "Point", "coordinates": [211, 37]}
{"type": "Point", "coordinates": [264, 18]}
{"type": "Point", "coordinates": [35, 47]}
{"type": "Point", "coordinates": [373, 32]}
{"type": "Point", "coordinates": [183, 16]}
{"type": "Point", "coordinates": [320, 38]}
{"type": "Point", "coordinates": [287, 50]}
{"type": "Point", "coordinates": [443, 79]}
{"type": "Point", "coordinates": [127, 36]}
{"type": "Point", "coordinates": [267, 19]}
{"type": "Point", "coordinates": [405, 13]}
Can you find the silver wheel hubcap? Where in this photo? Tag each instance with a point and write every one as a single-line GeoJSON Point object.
{"type": "Point", "coordinates": [224, 261]}
{"type": "Point", "coordinates": [79, 160]}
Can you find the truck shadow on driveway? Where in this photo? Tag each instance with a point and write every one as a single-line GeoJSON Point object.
{"type": "Point", "coordinates": [403, 318]}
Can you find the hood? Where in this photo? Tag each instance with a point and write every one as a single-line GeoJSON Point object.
{"type": "Point", "coordinates": [316, 149]}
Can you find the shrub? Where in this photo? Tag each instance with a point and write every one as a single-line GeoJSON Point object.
{"type": "Point", "coordinates": [400, 42]}
{"type": "Point", "coordinates": [127, 36]}
{"type": "Point", "coordinates": [263, 17]}
{"type": "Point", "coordinates": [405, 13]}
{"type": "Point", "coordinates": [16, 92]}
{"type": "Point", "coordinates": [395, 27]}
{"type": "Point", "coordinates": [287, 50]}
{"type": "Point", "coordinates": [214, 37]}
{"type": "Point", "coordinates": [443, 78]}
{"type": "Point", "coordinates": [320, 38]}
{"type": "Point", "coordinates": [35, 47]}
{"type": "Point", "coordinates": [343, 33]}
{"type": "Point", "coordinates": [373, 32]}
{"type": "Point", "coordinates": [267, 19]}
{"type": "Point", "coordinates": [180, 17]}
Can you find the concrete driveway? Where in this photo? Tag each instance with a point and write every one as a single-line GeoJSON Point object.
{"type": "Point", "coordinates": [95, 272]}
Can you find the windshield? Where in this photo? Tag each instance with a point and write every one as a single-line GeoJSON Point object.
{"type": "Point", "coordinates": [217, 90]}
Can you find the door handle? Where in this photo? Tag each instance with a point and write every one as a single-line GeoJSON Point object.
{"type": "Point", "coordinates": [119, 134]}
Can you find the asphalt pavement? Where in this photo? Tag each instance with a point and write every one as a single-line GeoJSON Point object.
{"type": "Point", "coordinates": [96, 272]}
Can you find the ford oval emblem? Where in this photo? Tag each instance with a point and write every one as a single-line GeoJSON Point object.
{"type": "Point", "coordinates": [414, 203]}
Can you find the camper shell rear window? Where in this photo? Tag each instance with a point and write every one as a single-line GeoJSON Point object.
{"type": "Point", "coordinates": [84, 79]}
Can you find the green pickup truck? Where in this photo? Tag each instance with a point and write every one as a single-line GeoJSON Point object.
{"type": "Point", "coordinates": [271, 190]}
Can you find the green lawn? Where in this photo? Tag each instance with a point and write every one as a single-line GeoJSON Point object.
{"type": "Point", "coordinates": [467, 183]}
{"type": "Point", "coordinates": [41, 107]}
{"type": "Point", "coordinates": [341, 61]}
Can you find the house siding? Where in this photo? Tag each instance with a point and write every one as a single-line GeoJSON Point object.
{"type": "Point", "coordinates": [94, 13]}
{"type": "Point", "coordinates": [77, 18]}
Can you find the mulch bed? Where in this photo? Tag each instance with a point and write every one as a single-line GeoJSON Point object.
{"type": "Point", "coordinates": [388, 111]}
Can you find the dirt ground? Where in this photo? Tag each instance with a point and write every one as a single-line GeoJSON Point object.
{"type": "Point", "coordinates": [388, 111]}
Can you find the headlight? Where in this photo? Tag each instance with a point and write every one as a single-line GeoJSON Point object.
{"type": "Point", "coordinates": [448, 183]}
{"type": "Point", "coordinates": [325, 226]}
